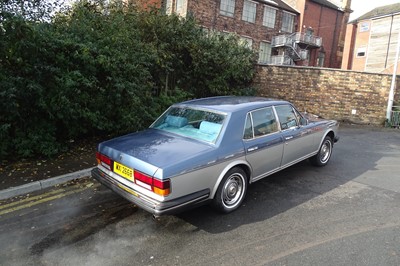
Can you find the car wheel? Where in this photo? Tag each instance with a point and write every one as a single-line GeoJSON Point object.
{"type": "Point", "coordinates": [324, 153]}
{"type": "Point", "coordinates": [231, 191]}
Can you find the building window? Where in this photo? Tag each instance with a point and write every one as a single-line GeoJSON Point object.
{"type": "Point", "coordinates": [246, 42]}
{"type": "Point", "coordinates": [364, 27]}
{"type": "Point", "coordinates": [287, 22]}
{"type": "Point", "coordinates": [227, 8]}
{"type": "Point", "coordinates": [264, 56]}
{"type": "Point", "coordinates": [249, 11]}
{"type": "Point", "coordinates": [361, 51]}
{"type": "Point", "coordinates": [321, 59]}
{"type": "Point", "coordinates": [269, 17]}
{"type": "Point", "coordinates": [179, 6]}
{"type": "Point", "coordinates": [168, 7]}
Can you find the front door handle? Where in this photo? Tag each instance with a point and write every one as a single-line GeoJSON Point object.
{"type": "Point", "coordinates": [288, 138]}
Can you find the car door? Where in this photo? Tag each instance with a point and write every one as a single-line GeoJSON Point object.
{"type": "Point", "coordinates": [263, 142]}
{"type": "Point", "coordinates": [298, 139]}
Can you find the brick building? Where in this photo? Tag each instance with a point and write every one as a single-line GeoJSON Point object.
{"type": "Point", "coordinates": [291, 32]}
{"type": "Point", "coordinates": [255, 22]}
{"type": "Point", "coordinates": [327, 20]}
{"type": "Point", "coordinates": [371, 40]}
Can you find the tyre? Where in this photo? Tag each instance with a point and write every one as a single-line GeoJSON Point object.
{"type": "Point", "coordinates": [231, 191]}
{"type": "Point", "coordinates": [324, 153]}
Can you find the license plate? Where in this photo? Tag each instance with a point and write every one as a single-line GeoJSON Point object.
{"type": "Point", "coordinates": [123, 171]}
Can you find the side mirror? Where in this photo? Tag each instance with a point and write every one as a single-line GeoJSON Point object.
{"type": "Point", "coordinates": [303, 121]}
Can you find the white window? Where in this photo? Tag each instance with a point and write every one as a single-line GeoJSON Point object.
{"type": "Point", "coordinates": [364, 27]}
{"type": "Point", "coordinates": [287, 22]}
{"type": "Point", "coordinates": [361, 52]}
{"type": "Point", "coordinates": [264, 56]}
{"type": "Point", "coordinates": [168, 7]}
{"type": "Point", "coordinates": [249, 11]}
{"type": "Point", "coordinates": [246, 41]}
{"type": "Point", "coordinates": [179, 6]}
{"type": "Point", "coordinates": [227, 8]}
{"type": "Point", "coordinates": [269, 17]}
{"type": "Point", "coordinates": [321, 59]}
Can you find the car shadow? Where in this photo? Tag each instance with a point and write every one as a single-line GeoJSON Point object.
{"type": "Point", "coordinates": [357, 153]}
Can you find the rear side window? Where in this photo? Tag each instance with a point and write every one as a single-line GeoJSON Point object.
{"type": "Point", "coordinates": [260, 123]}
{"type": "Point", "coordinates": [248, 130]}
{"type": "Point", "coordinates": [288, 117]}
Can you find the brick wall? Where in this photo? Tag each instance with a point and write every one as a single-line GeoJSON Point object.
{"type": "Point", "coordinates": [330, 93]}
{"type": "Point", "coordinates": [208, 15]}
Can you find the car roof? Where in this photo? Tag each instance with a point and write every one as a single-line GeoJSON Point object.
{"type": "Point", "coordinates": [230, 104]}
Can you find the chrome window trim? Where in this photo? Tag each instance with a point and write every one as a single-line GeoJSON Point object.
{"type": "Point", "coordinates": [252, 123]}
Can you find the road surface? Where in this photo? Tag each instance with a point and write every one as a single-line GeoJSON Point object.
{"type": "Point", "coordinates": [347, 213]}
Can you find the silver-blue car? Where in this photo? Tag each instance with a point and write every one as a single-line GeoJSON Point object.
{"type": "Point", "coordinates": [209, 151]}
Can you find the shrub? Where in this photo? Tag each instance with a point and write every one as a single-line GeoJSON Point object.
{"type": "Point", "coordinates": [99, 69]}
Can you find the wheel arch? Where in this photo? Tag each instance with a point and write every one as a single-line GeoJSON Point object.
{"type": "Point", "coordinates": [244, 165]}
{"type": "Point", "coordinates": [330, 133]}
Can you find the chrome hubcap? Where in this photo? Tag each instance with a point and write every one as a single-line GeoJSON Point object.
{"type": "Point", "coordinates": [326, 151]}
{"type": "Point", "coordinates": [233, 190]}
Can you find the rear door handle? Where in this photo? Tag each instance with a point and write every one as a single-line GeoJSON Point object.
{"type": "Point", "coordinates": [252, 149]}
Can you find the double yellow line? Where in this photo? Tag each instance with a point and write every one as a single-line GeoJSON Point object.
{"type": "Point", "coordinates": [45, 197]}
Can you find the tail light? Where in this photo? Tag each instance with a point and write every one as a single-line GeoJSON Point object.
{"type": "Point", "coordinates": [160, 187]}
{"type": "Point", "coordinates": [104, 161]}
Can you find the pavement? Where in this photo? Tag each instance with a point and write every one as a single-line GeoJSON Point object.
{"type": "Point", "coordinates": [40, 184]}
{"type": "Point", "coordinates": [35, 174]}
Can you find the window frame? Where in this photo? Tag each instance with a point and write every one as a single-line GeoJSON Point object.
{"type": "Point", "coordinates": [250, 116]}
{"type": "Point", "coordinates": [364, 26]}
{"type": "Point", "coordinates": [268, 61]}
{"type": "Point", "coordinates": [264, 16]}
{"type": "Point", "coordinates": [296, 113]}
{"type": "Point", "coordinates": [226, 9]}
{"type": "Point", "coordinates": [246, 41]}
{"type": "Point", "coordinates": [179, 6]}
{"type": "Point", "coordinates": [291, 28]}
{"type": "Point", "coordinates": [362, 49]}
{"type": "Point", "coordinates": [321, 59]}
{"type": "Point", "coordinates": [246, 15]}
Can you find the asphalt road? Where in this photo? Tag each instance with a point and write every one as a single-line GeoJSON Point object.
{"type": "Point", "coordinates": [347, 213]}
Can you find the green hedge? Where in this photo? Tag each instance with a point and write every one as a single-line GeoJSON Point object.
{"type": "Point", "coordinates": [97, 70]}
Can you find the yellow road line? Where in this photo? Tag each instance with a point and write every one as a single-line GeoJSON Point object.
{"type": "Point", "coordinates": [40, 196]}
{"type": "Point", "coordinates": [31, 198]}
{"type": "Point", "coordinates": [41, 200]}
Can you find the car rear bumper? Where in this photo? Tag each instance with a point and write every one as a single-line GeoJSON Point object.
{"type": "Point", "coordinates": [156, 208]}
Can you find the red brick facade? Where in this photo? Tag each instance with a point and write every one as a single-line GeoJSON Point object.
{"type": "Point", "coordinates": [208, 15]}
{"type": "Point", "coordinates": [319, 16]}
{"type": "Point", "coordinates": [326, 23]}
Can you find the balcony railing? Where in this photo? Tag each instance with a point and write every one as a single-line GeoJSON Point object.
{"type": "Point", "coordinates": [297, 37]}
{"type": "Point", "coordinates": [281, 60]}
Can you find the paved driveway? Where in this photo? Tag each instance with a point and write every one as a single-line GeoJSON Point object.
{"type": "Point", "coordinates": [347, 213]}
